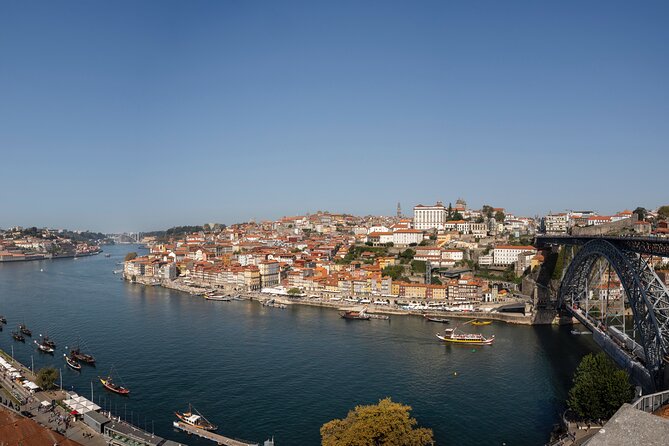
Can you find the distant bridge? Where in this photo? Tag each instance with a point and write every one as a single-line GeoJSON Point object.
{"type": "Point", "coordinates": [647, 295]}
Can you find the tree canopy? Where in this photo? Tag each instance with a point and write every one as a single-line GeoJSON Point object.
{"type": "Point", "coordinates": [131, 255]}
{"type": "Point", "coordinates": [641, 212]}
{"type": "Point", "coordinates": [46, 378]}
{"type": "Point", "coordinates": [384, 424]}
{"type": "Point", "coordinates": [294, 291]}
{"type": "Point", "coordinates": [663, 211]}
{"type": "Point", "coordinates": [499, 216]}
{"type": "Point", "coordinates": [599, 389]}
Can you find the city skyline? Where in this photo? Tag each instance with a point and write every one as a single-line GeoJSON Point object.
{"type": "Point", "coordinates": [141, 116]}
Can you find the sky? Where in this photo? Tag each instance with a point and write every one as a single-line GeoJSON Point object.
{"type": "Point", "coordinates": [140, 115]}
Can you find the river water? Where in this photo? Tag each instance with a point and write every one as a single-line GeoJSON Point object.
{"type": "Point", "coordinates": [258, 372]}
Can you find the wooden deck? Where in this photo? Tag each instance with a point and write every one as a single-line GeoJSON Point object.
{"type": "Point", "coordinates": [219, 439]}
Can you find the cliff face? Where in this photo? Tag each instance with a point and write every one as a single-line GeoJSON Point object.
{"type": "Point", "coordinates": [543, 285]}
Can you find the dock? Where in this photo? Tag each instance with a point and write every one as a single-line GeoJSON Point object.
{"type": "Point", "coordinates": [219, 439]}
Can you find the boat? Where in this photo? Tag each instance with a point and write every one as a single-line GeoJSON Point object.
{"type": "Point", "coordinates": [76, 354]}
{"type": "Point", "coordinates": [18, 336]}
{"type": "Point", "coordinates": [465, 338]}
{"type": "Point", "coordinates": [43, 348]}
{"type": "Point", "coordinates": [48, 341]}
{"type": "Point", "coordinates": [109, 385]}
{"type": "Point", "coordinates": [3, 320]}
{"type": "Point", "coordinates": [441, 320]}
{"type": "Point", "coordinates": [23, 329]}
{"type": "Point", "coordinates": [72, 363]}
{"type": "Point", "coordinates": [355, 315]}
{"type": "Point", "coordinates": [218, 297]}
{"type": "Point", "coordinates": [107, 255]}
{"type": "Point", "coordinates": [477, 322]}
{"type": "Point", "coordinates": [195, 419]}
{"type": "Point", "coordinates": [576, 332]}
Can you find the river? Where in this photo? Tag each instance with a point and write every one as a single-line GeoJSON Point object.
{"type": "Point", "coordinates": [259, 372]}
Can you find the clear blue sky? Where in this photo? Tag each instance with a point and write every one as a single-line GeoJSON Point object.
{"type": "Point", "coordinates": [138, 115]}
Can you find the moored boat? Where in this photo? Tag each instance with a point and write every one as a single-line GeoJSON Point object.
{"type": "Point", "coordinates": [83, 357]}
{"type": "Point", "coordinates": [18, 336]}
{"type": "Point", "coordinates": [465, 338]}
{"type": "Point", "coordinates": [109, 385]}
{"type": "Point", "coordinates": [478, 322]}
{"type": "Point", "coordinates": [23, 329]}
{"type": "Point", "coordinates": [218, 297]}
{"type": "Point", "coordinates": [72, 363]}
{"type": "Point", "coordinates": [43, 348]}
{"type": "Point", "coordinates": [195, 419]}
{"type": "Point", "coordinates": [48, 341]}
{"type": "Point", "coordinates": [441, 320]}
{"type": "Point", "coordinates": [355, 315]}
{"type": "Point", "coordinates": [3, 320]}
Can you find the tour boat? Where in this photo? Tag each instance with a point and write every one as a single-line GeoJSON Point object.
{"type": "Point", "coordinates": [442, 320]}
{"type": "Point", "coordinates": [76, 354]}
{"type": "Point", "coordinates": [23, 329]}
{"type": "Point", "coordinates": [109, 385]}
{"type": "Point", "coordinates": [195, 419]}
{"type": "Point", "coordinates": [43, 348]}
{"type": "Point", "coordinates": [72, 363]}
{"type": "Point", "coordinates": [465, 338]}
{"type": "Point", "coordinates": [18, 336]}
{"type": "Point", "coordinates": [477, 322]}
{"type": "Point", "coordinates": [355, 315]}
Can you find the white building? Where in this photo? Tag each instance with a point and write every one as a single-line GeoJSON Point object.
{"type": "Point", "coordinates": [269, 273]}
{"type": "Point", "coordinates": [429, 217]}
{"type": "Point", "coordinates": [404, 237]}
{"type": "Point", "coordinates": [508, 254]}
{"type": "Point", "coordinates": [556, 224]}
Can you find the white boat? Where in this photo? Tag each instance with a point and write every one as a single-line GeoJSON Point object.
{"type": "Point", "coordinates": [44, 348]}
{"type": "Point", "coordinates": [218, 297]}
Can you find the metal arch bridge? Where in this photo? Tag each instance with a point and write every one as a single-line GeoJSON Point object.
{"type": "Point", "coordinates": [647, 295]}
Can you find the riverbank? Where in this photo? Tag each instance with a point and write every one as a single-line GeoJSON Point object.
{"type": "Point", "coordinates": [390, 309]}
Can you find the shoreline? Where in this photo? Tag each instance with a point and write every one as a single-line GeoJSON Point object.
{"type": "Point", "coordinates": [510, 318]}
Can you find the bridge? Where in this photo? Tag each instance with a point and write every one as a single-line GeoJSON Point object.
{"type": "Point", "coordinates": [642, 349]}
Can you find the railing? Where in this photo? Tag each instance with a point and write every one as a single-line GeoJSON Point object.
{"type": "Point", "coordinates": [650, 403]}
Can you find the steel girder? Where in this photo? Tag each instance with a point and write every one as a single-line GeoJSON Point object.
{"type": "Point", "coordinates": [644, 245]}
{"type": "Point", "coordinates": [647, 295]}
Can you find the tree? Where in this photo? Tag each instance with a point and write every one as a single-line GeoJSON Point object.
{"type": "Point", "coordinates": [487, 210]}
{"type": "Point", "coordinates": [294, 291]}
{"type": "Point", "coordinates": [418, 266]}
{"type": "Point", "coordinates": [641, 212]}
{"type": "Point", "coordinates": [435, 280]}
{"type": "Point", "coordinates": [130, 256]}
{"type": "Point", "coordinates": [663, 211]}
{"type": "Point", "coordinates": [450, 211]}
{"type": "Point", "coordinates": [384, 424]}
{"type": "Point", "coordinates": [599, 389]}
{"type": "Point", "coordinates": [393, 271]}
{"type": "Point", "coordinates": [499, 216]}
{"type": "Point", "coordinates": [46, 378]}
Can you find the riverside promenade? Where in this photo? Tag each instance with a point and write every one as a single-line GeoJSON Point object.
{"type": "Point", "coordinates": [199, 290]}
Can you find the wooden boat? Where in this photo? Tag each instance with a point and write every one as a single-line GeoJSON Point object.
{"type": "Point", "coordinates": [43, 348]}
{"type": "Point", "coordinates": [195, 419]}
{"type": "Point", "coordinates": [218, 297]}
{"type": "Point", "coordinates": [18, 336]}
{"type": "Point", "coordinates": [477, 322]}
{"type": "Point", "coordinates": [109, 385]}
{"type": "Point", "coordinates": [72, 363]}
{"type": "Point", "coordinates": [83, 357]}
{"type": "Point", "coordinates": [23, 329]}
{"type": "Point", "coordinates": [355, 315]}
{"type": "Point", "coordinates": [465, 338]}
{"type": "Point", "coordinates": [48, 341]}
{"type": "Point", "coordinates": [3, 320]}
{"type": "Point", "coordinates": [441, 320]}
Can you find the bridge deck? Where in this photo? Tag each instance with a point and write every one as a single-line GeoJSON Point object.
{"type": "Point", "coordinates": [657, 246]}
{"type": "Point", "coordinates": [219, 439]}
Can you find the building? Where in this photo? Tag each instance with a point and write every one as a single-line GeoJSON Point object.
{"type": "Point", "coordinates": [556, 223]}
{"type": "Point", "coordinates": [405, 237]}
{"type": "Point", "coordinates": [508, 254]}
{"type": "Point", "coordinates": [429, 217]}
{"type": "Point", "coordinates": [269, 273]}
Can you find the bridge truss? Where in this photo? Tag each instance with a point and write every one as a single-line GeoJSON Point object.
{"type": "Point", "coordinates": [648, 297]}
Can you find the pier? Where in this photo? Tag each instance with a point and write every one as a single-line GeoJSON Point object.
{"type": "Point", "coordinates": [219, 439]}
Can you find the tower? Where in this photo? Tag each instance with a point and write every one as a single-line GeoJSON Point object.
{"type": "Point", "coordinates": [399, 210]}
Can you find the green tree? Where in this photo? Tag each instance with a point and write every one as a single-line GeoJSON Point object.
{"type": "Point", "coordinates": [499, 216]}
{"type": "Point", "coordinates": [393, 271]}
{"type": "Point", "coordinates": [418, 266]}
{"type": "Point", "coordinates": [294, 291]}
{"type": "Point", "coordinates": [487, 210]}
{"type": "Point", "coordinates": [407, 255]}
{"type": "Point", "coordinates": [663, 211]}
{"type": "Point", "coordinates": [130, 256]}
{"type": "Point", "coordinates": [384, 424]}
{"type": "Point", "coordinates": [599, 389]}
{"type": "Point", "coordinates": [450, 211]}
{"type": "Point", "coordinates": [641, 212]}
{"type": "Point", "coordinates": [435, 281]}
{"type": "Point", "coordinates": [46, 378]}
